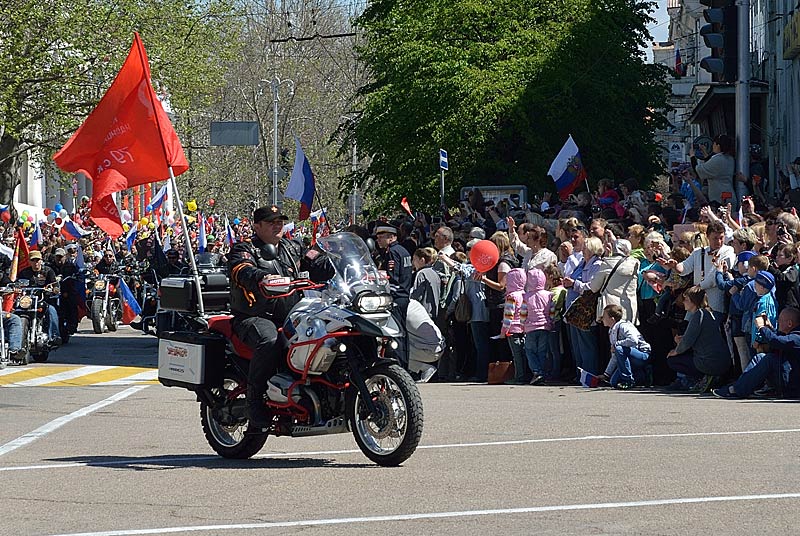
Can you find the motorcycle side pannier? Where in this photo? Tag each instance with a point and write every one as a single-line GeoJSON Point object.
{"type": "Point", "coordinates": [190, 360]}
{"type": "Point", "coordinates": [178, 294]}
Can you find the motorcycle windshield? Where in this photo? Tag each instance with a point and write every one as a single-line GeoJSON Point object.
{"type": "Point", "coordinates": [355, 270]}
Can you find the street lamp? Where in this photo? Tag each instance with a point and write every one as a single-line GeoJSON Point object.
{"type": "Point", "coordinates": [354, 196]}
{"type": "Point", "coordinates": [276, 82]}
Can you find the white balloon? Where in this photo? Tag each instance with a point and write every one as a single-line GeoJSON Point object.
{"type": "Point", "coordinates": [126, 215]}
{"type": "Point", "coordinates": [63, 213]}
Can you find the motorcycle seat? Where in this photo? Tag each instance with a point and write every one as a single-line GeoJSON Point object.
{"type": "Point", "coordinates": [223, 324]}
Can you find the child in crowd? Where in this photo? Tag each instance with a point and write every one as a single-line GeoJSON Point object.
{"type": "Point", "coordinates": [671, 286]}
{"type": "Point", "coordinates": [515, 313]}
{"type": "Point", "coordinates": [537, 324]}
{"type": "Point", "coordinates": [786, 277]}
{"type": "Point", "coordinates": [765, 306]}
{"type": "Point", "coordinates": [728, 282]}
{"type": "Point", "coordinates": [629, 350]}
{"type": "Point", "coordinates": [559, 295]}
{"type": "Point", "coordinates": [745, 301]}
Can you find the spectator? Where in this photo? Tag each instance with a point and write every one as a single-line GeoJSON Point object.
{"type": "Point", "coordinates": [531, 246]}
{"type": "Point", "coordinates": [629, 350]}
{"type": "Point", "coordinates": [559, 293]}
{"type": "Point", "coordinates": [538, 323]}
{"type": "Point", "coordinates": [718, 170]}
{"type": "Point", "coordinates": [618, 273]}
{"type": "Point", "coordinates": [636, 235]}
{"type": "Point", "coordinates": [427, 285]}
{"type": "Point", "coordinates": [579, 280]}
{"type": "Point", "coordinates": [515, 313]}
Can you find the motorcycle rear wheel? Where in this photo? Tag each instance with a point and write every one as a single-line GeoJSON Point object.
{"type": "Point", "coordinates": [390, 437]}
{"type": "Point", "coordinates": [97, 313]}
{"type": "Point", "coordinates": [229, 441]}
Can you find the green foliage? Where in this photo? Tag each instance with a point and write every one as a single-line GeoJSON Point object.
{"type": "Point", "coordinates": [500, 84]}
{"type": "Point", "coordinates": [58, 57]}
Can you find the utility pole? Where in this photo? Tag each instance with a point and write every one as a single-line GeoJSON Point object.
{"type": "Point", "coordinates": [743, 91]}
{"type": "Point", "coordinates": [355, 185]}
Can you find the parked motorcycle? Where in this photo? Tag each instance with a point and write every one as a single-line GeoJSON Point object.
{"type": "Point", "coordinates": [31, 307]}
{"type": "Point", "coordinates": [106, 309]}
{"type": "Point", "coordinates": [337, 377]}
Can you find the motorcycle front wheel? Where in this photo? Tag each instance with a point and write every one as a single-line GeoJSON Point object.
{"type": "Point", "coordinates": [111, 321]}
{"type": "Point", "coordinates": [25, 355]}
{"type": "Point", "coordinates": [97, 313]}
{"type": "Point", "coordinates": [391, 436]}
{"type": "Point", "coordinates": [224, 431]}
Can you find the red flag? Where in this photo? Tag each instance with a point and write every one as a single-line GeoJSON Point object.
{"type": "Point", "coordinates": [404, 204]}
{"type": "Point", "coordinates": [126, 141]}
{"type": "Point", "coordinates": [21, 258]}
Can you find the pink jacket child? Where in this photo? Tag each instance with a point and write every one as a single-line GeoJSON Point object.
{"type": "Point", "coordinates": [538, 302]}
{"type": "Point", "coordinates": [515, 311]}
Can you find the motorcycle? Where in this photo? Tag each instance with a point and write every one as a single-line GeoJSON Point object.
{"type": "Point", "coordinates": [106, 309]}
{"type": "Point", "coordinates": [22, 357]}
{"type": "Point", "coordinates": [31, 306]}
{"type": "Point", "coordinates": [337, 375]}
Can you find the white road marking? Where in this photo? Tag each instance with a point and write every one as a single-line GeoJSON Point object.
{"type": "Point", "coordinates": [164, 459]}
{"type": "Point", "coordinates": [42, 431]}
{"type": "Point", "coordinates": [147, 375]}
{"type": "Point", "coordinates": [62, 376]}
{"type": "Point", "coordinates": [440, 515]}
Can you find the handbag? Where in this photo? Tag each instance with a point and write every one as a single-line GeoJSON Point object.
{"type": "Point", "coordinates": [500, 372]}
{"type": "Point", "coordinates": [463, 310]}
{"type": "Point", "coordinates": [583, 311]}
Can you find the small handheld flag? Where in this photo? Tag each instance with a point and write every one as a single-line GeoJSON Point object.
{"type": "Point", "coordinates": [130, 307]}
{"type": "Point", "coordinates": [301, 184]}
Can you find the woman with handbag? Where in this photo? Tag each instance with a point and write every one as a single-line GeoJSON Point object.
{"type": "Point", "coordinates": [578, 282]}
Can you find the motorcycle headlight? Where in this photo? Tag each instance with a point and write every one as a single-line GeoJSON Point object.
{"type": "Point", "coordinates": [373, 303]}
{"type": "Point", "coordinates": [99, 285]}
{"type": "Point", "coordinates": [25, 302]}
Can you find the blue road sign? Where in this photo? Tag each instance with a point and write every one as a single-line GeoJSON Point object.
{"type": "Point", "coordinates": [443, 159]}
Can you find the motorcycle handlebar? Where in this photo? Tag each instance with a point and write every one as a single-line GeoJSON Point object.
{"type": "Point", "coordinates": [294, 286]}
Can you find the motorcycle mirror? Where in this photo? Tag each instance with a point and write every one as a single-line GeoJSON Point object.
{"type": "Point", "coordinates": [370, 244]}
{"type": "Point", "coordinates": [269, 252]}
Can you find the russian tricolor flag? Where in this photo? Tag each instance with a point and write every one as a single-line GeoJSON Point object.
{"type": "Point", "coordinates": [202, 242]}
{"type": "Point", "coordinates": [301, 184]}
{"type": "Point", "coordinates": [130, 307]}
{"type": "Point", "coordinates": [288, 231]}
{"type": "Point", "coordinates": [72, 230]}
{"type": "Point", "coordinates": [230, 234]}
{"type": "Point", "coordinates": [131, 236]}
{"type": "Point", "coordinates": [158, 199]}
{"type": "Point", "coordinates": [588, 379]}
{"type": "Point", "coordinates": [567, 169]}
{"type": "Point", "coordinates": [36, 237]}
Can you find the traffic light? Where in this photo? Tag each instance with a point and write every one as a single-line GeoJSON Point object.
{"type": "Point", "coordinates": [721, 36]}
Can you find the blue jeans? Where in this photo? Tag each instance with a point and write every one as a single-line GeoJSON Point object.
{"type": "Point", "coordinates": [785, 372]}
{"type": "Point", "coordinates": [536, 350]}
{"type": "Point", "coordinates": [554, 343]}
{"type": "Point", "coordinates": [516, 342]}
{"type": "Point", "coordinates": [627, 360]}
{"type": "Point", "coordinates": [12, 326]}
{"type": "Point", "coordinates": [52, 328]}
{"type": "Point", "coordinates": [584, 349]}
{"type": "Point", "coordinates": [480, 339]}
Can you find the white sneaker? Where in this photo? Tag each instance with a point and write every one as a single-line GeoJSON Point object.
{"type": "Point", "coordinates": [426, 374]}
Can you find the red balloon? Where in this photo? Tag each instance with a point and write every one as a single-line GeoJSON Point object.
{"type": "Point", "coordinates": [211, 202]}
{"type": "Point", "coordinates": [47, 211]}
{"type": "Point", "coordinates": [484, 255]}
{"type": "Point", "coordinates": [5, 216]}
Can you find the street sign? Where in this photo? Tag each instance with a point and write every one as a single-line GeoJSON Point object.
{"type": "Point", "coordinates": [235, 133]}
{"type": "Point", "coordinates": [443, 159]}
{"type": "Point", "coordinates": [677, 153]}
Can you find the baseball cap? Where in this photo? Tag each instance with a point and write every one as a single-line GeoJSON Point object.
{"type": "Point", "coordinates": [35, 255]}
{"type": "Point", "coordinates": [60, 252]}
{"type": "Point", "coordinates": [765, 279]}
{"type": "Point", "coordinates": [745, 256]}
{"type": "Point", "coordinates": [268, 213]}
{"type": "Point", "coordinates": [72, 247]}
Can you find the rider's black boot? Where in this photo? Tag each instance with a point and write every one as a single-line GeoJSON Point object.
{"type": "Point", "coordinates": [257, 414]}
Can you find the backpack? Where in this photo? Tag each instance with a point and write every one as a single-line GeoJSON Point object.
{"type": "Point", "coordinates": [463, 310]}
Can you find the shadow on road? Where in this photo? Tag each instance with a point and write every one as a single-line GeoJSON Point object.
{"type": "Point", "coordinates": [125, 347]}
{"type": "Point", "coordinates": [162, 463]}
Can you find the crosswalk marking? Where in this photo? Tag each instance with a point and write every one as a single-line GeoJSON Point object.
{"type": "Point", "coordinates": [76, 375]}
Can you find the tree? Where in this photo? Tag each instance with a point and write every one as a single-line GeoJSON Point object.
{"type": "Point", "coordinates": [500, 84]}
{"type": "Point", "coordinates": [58, 57]}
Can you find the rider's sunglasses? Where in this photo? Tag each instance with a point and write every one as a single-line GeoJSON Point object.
{"type": "Point", "coordinates": [36, 260]}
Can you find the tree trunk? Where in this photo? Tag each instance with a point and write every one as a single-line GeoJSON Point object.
{"type": "Point", "coordinates": [9, 179]}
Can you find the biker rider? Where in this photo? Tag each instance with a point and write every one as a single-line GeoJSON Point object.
{"type": "Point", "coordinates": [396, 261]}
{"type": "Point", "coordinates": [40, 275]}
{"type": "Point", "coordinates": [174, 264]}
{"type": "Point", "coordinates": [65, 267]}
{"type": "Point", "coordinates": [108, 264]}
{"type": "Point", "coordinates": [256, 317]}
{"type": "Point", "coordinates": [12, 324]}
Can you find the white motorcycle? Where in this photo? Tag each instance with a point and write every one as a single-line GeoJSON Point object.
{"type": "Point", "coordinates": [338, 374]}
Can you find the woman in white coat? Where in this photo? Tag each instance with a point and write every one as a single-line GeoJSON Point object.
{"type": "Point", "coordinates": [622, 287]}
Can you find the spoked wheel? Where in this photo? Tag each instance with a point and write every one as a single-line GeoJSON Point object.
{"type": "Point", "coordinates": [111, 319]}
{"type": "Point", "coordinates": [390, 436]}
{"type": "Point", "coordinates": [24, 356]}
{"type": "Point", "coordinates": [224, 426]}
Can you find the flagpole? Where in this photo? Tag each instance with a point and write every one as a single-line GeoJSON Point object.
{"type": "Point", "coordinates": [186, 237]}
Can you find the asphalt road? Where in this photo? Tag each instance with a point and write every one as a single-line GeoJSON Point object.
{"type": "Point", "coordinates": [129, 457]}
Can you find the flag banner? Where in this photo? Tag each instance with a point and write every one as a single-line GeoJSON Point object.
{"type": "Point", "coordinates": [202, 242]}
{"type": "Point", "coordinates": [21, 258]}
{"type": "Point", "coordinates": [80, 261]}
{"type": "Point", "coordinates": [567, 169]}
{"type": "Point", "coordinates": [79, 287]}
{"type": "Point", "coordinates": [406, 207]}
{"type": "Point", "coordinates": [301, 184]}
{"type": "Point", "coordinates": [158, 199]}
{"type": "Point", "coordinates": [131, 236]}
{"type": "Point", "coordinates": [130, 307]}
{"type": "Point", "coordinates": [36, 237]}
{"type": "Point", "coordinates": [73, 231]}
{"type": "Point", "coordinates": [680, 69]}
{"type": "Point", "coordinates": [230, 234]}
{"type": "Point", "coordinates": [588, 379]}
{"type": "Point", "coordinates": [288, 231]}
{"type": "Point", "coordinates": [126, 141]}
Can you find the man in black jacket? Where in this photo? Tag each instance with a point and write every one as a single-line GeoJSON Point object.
{"type": "Point", "coordinates": [396, 261]}
{"type": "Point", "coordinates": [40, 275]}
{"type": "Point", "coordinates": [256, 315]}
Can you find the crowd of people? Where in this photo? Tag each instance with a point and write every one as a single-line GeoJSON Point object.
{"type": "Point", "coordinates": [620, 286]}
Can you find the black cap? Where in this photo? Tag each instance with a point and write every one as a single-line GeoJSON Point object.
{"type": "Point", "coordinates": [269, 213]}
